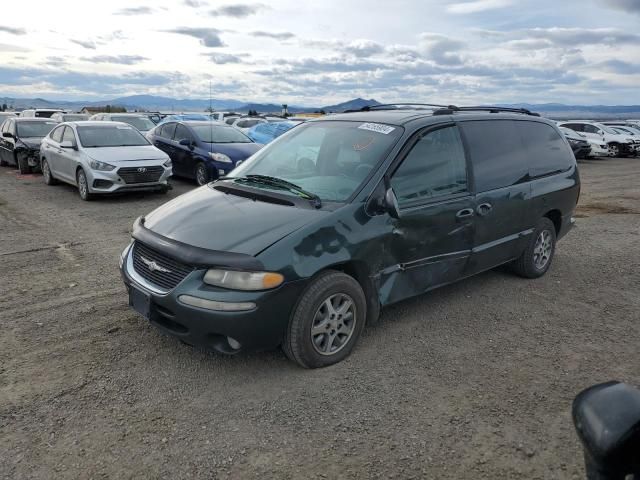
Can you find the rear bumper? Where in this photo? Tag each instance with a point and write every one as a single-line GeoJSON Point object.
{"type": "Point", "coordinates": [568, 222]}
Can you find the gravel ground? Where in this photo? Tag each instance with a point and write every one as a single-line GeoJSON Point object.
{"type": "Point", "coordinates": [474, 380]}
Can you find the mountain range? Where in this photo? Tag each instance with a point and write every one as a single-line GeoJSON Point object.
{"type": "Point", "coordinates": [167, 104]}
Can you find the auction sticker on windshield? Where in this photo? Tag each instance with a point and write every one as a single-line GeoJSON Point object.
{"type": "Point", "coordinates": [377, 127]}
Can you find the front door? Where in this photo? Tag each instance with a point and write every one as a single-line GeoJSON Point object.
{"type": "Point", "coordinates": [183, 157]}
{"type": "Point", "coordinates": [431, 242]}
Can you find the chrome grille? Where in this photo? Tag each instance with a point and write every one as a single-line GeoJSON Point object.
{"type": "Point", "coordinates": [151, 265]}
{"type": "Point", "coordinates": [141, 174]}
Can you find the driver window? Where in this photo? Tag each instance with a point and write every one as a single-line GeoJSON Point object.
{"type": "Point", "coordinates": [68, 136]}
{"type": "Point", "coordinates": [434, 167]}
{"type": "Point", "coordinates": [182, 133]}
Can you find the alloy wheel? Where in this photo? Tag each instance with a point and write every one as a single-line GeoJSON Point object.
{"type": "Point", "coordinates": [333, 324]}
{"type": "Point", "coordinates": [45, 171]}
{"type": "Point", "coordinates": [542, 249]}
{"type": "Point", "coordinates": [82, 184]}
{"type": "Point", "coordinates": [201, 175]}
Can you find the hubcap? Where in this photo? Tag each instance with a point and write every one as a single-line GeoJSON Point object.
{"type": "Point", "coordinates": [333, 324]}
{"type": "Point", "coordinates": [542, 250]}
{"type": "Point", "coordinates": [82, 184]}
{"type": "Point", "coordinates": [201, 176]}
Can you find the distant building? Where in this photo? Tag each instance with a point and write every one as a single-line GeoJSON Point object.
{"type": "Point", "coordinates": [103, 109]}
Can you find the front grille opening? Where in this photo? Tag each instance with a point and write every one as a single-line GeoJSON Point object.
{"type": "Point", "coordinates": [141, 174]}
{"type": "Point", "coordinates": [158, 269]}
{"type": "Point", "coordinates": [169, 324]}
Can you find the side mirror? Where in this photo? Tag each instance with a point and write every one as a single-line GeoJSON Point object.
{"type": "Point", "coordinates": [186, 142]}
{"type": "Point", "coordinates": [68, 144]}
{"type": "Point", "coordinates": [607, 419]}
{"type": "Point", "coordinates": [600, 132]}
{"type": "Point", "coordinates": [391, 203]}
{"type": "Point", "coordinates": [7, 134]}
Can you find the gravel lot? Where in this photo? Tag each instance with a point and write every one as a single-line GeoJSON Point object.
{"type": "Point", "coordinates": [473, 380]}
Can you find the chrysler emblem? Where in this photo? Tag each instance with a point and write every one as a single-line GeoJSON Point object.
{"type": "Point", "coordinates": [153, 266]}
{"type": "Point", "coordinates": [142, 169]}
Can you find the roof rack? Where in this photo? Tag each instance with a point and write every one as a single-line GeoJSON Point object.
{"type": "Point", "coordinates": [491, 109]}
{"type": "Point", "coordinates": [395, 106]}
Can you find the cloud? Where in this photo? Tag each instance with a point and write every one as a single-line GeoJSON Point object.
{"type": "Point", "coordinates": [274, 35]}
{"type": "Point", "coordinates": [441, 49]}
{"type": "Point", "coordinates": [56, 61]}
{"type": "Point", "coordinates": [13, 30]}
{"type": "Point", "coordinates": [364, 48]}
{"type": "Point", "coordinates": [194, 3]}
{"type": "Point", "coordinates": [134, 11]}
{"type": "Point", "coordinates": [5, 47]}
{"type": "Point", "coordinates": [227, 58]}
{"type": "Point", "coordinates": [621, 67]}
{"type": "Point", "coordinates": [117, 59]}
{"type": "Point", "coordinates": [209, 37]}
{"type": "Point", "coordinates": [582, 36]}
{"type": "Point", "coordinates": [90, 44]}
{"type": "Point", "coordinates": [237, 10]}
{"type": "Point", "coordinates": [313, 66]}
{"type": "Point", "coordinates": [84, 81]}
{"type": "Point", "coordinates": [475, 6]}
{"type": "Point", "coordinates": [632, 6]}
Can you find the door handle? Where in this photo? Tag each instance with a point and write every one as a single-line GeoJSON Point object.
{"type": "Point", "coordinates": [484, 208]}
{"type": "Point", "coordinates": [464, 213]}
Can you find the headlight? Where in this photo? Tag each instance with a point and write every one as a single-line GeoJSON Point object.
{"type": "Point", "coordinates": [220, 157]}
{"type": "Point", "coordinates": [97, 165]}
{"type": "Point", "coordinates": [168, 163]}
{"type": "Point", "coordinates": [235, 280]}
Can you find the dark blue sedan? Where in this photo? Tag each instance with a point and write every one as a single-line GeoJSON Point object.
{"type": "Point", "coordinates": [202, 151]}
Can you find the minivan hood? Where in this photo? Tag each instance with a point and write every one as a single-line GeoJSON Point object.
{"type": "Point", "coordinates": [208, 218]}
{"type": "Point", "coordinates": [124, 154]}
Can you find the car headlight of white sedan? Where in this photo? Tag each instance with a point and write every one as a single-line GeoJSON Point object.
{"type": "Point", "coordinates": [101, 166]}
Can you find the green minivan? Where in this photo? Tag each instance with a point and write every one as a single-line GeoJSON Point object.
{"type": "Point", "coordinates": [304, 242]}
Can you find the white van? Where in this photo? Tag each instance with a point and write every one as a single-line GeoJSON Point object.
{"type": "Point", "coordinates": [40, 112]}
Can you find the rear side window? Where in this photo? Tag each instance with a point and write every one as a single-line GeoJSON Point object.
{"type": "Point", "coordinates": [546, 151]}
{"type": "Point", "coordinates": [434, 167]}
{"type": "Point", "coordinates": [497, 153]}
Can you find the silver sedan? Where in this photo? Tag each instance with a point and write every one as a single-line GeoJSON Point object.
{"type": "Point", "coordinates": [103, 157]}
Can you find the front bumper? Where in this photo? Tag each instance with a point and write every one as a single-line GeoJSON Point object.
{"type": "Point", "coordinates": [112, 182]}
{"type": "Point", "coordinates": [262, 327]}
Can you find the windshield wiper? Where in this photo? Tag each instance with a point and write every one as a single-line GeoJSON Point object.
{"type": "Point", "coordinates": [280, 183]}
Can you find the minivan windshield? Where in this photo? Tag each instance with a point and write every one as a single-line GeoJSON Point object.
{"type": "Point", "coordinates": [329, 159]}
{"type": "Point", "coordinates": [110, 136]}
{"type": "Point", "coordinates": [215, 133]}
{"type": "Point", "coordinates": [141, 123]}
{"type": "Point", "coordinates": [34, 129]}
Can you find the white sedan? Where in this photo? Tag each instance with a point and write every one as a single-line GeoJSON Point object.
{"type": "Point", "coordinates": [103, 157]}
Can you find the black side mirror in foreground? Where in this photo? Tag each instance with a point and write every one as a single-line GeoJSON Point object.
{"type": "Point", "coordinates": [607, 419]}
{"type": "Point", "coordinates": [7, 134]}
{"type": "Point", "coordinates": [391, 203]}
{"type": "Point", "coordinates": [186, 142]}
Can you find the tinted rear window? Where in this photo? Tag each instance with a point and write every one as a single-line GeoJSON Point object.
{"type": "Point", "coordinates": [497, 153]}
{"type": "Point", "coordinates": [546, 150]}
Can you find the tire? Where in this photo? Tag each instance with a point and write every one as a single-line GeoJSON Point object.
{"type": "Point", "coordinates": [537, 257]}
{"type": "Point", "coordinates": [23, 164]}
{"type": "Point", "coordinates": [337, 335]}
{"type": "Point", "coordinates": [202, 174]}
{"type": "Point", "coordinates": [46, 173]}
{"type": "Point", "coordinates": [614, 150]}
{"type": "Point", "coordinates": [2, 162]}
{"type": "Point", "coordinates": [83, 187]}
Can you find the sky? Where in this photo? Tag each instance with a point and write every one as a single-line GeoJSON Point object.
{"type": "Point", "coordinates": [300, 52]}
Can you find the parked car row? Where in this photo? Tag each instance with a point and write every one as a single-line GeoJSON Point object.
{"type": "Point", "coordinates": [605, 139]}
